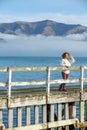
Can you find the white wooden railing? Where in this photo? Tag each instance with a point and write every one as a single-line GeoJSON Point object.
{"type": "Point", "coordinates": [48, 81]}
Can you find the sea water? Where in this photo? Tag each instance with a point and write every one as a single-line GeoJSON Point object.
{"type": "Point", "coordinates": [26, 76]}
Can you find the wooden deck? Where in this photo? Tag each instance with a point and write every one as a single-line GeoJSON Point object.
{"type": "Point", "coordinates": [40, 90]}
{"type": "Point", "coordinates": [38, 96]}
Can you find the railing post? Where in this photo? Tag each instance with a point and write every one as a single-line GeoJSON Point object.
{"type": "Point", "coordinates": [9, 82]}
{"type": "Point", "coordinates": [81, 77]}
{"type": "Point", "coordinates": [81, 95]}
{"type": "Point", "coordinates": [48, 81]}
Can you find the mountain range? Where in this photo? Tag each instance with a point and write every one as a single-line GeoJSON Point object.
{"type": "Point", "coordinates": [46, 28]}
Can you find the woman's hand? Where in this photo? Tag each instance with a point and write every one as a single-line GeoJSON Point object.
{"type": "Point", "coordinates": [69, 55]}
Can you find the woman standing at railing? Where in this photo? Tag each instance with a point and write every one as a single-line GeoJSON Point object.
{"type": "Point", "coordinates": [67, 61]}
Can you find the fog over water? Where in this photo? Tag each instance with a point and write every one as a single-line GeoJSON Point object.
{"type": "Point", "coordinates": [43, 46]}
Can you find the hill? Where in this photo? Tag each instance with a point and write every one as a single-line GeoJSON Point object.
{"type": "Point", "coordinates": [46, 27]}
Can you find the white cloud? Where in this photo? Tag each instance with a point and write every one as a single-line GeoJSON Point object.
{"type": "Point", "coordinates": [77, 37]}
{"type": "Point", "coordinates": [43, 46]}
{"type": "Point", "coordinates": [74, 37]}
{"type": "Point", "coordinates": [7, 36]}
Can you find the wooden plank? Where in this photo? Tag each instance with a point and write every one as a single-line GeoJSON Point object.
{"type": "Point", "coordinates": [9, 82]}
{"type": "Point", "coordinates": [28, 68]}
{"type": "Point", "coordinates": [39, 99]}
{"type": "Point", "coordinates": [0, 116]}
{"type": "Point", "coordinates": [81, 111]}
{"type": "Point", "coordinates": [66, 111]}
{"type": "Point", "coordinates": [36, 115]}
{"type": "Point", "coordinates": [86, 112]}
{"type": "Point", "coordinates": [45, 125]}
{"type": "Point", "coordinates": [26, 83]}
{"type": "Point", "coordinates": [48, 81]}
{"type": "Point", "coordinates": [3, 69]}
{"type": "Point", "coordinates": [43, 82]}
{"type": "Point", "coordinates": [74, 110]}
{"type": "Point", "coordinates": [63, 97]}
{"type": "Point", "coordinates": [19, 116]}
{"type": "Point", "coordinates": [61, 123]}
{"type": "Point", "coordinates": [44, 113]}
{"type": "Point", "coordinates": [71, 111]}
{"type": "Point", "coordinates": [42, 68]}
{"type": "Point", "coordinates": [3, 103]}
{"type": "Point", "coordinates": [10, 118]}
{"type": "Point", "coordinates": [67, 114]}
{"type": "Point", "coordinates": [28, 115]}
{"type": "Point", "coordinates": [86, 109]}
{"type": "Point", "coordinates": [64, 68]}
{"type": "Point", "coordinates": [64, 81]}
{"type": "Point", "coordinates": [29, 100]}
{"type": "Point", "coordinates": [52, 114]}
{"type": "Point", "coordinates": [59, 114]}
{"type": "Point", "coordinates": [3, 84]}
{"type": "Point", "coordinates": [81, 77]}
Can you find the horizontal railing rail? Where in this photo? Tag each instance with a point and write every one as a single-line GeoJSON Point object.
{"type": "Point", "coordinates": [40, 68]}
{"type": "Point", "coordinates": [46, 82]}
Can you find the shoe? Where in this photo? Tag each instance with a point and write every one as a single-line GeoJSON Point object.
{"type": "Point", "coordinates": [64, 88]}
{"type": "Point", "coordinates": [60, 89]}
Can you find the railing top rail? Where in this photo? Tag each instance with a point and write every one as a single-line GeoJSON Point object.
{"type": "Point", "coordinates": [41, 68]}
{"type": "Point", "coordinates": [3, 69]}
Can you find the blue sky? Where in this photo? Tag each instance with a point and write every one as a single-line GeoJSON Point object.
{"type": "Point", "coordinates": [36, 6]}
{"type": "Point", "coordinates": [68, 11]}
{"type": "Point", "coordinates": [18, 7]}
{"type": "Point", "coordinates": [65, 11]}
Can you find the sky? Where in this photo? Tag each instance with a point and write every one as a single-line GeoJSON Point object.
{"type": "Point", "coordinates": [65, 11]}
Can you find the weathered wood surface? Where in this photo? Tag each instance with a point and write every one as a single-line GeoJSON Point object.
{"type": "Point", "coordinates": [38, 96]}
{"type": "Point", "coordinates": [45, 125]}
{"type": "Point", "coordinates": [41, 90]}
{"type": "Point", "coordinates": [33, 97]}
{"type": "Point", "coordinates": [45, 96]}
{"type": "Point", "coordinates": [42, 68]}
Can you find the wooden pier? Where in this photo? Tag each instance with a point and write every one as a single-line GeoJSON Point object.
{"type": "Point", "coordinates": [48, 96]}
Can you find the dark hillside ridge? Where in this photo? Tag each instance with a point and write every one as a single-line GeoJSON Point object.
{"type": "Point", "coordinates": [46, 27]}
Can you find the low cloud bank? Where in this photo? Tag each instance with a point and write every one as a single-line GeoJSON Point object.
{"type": "Point", "coordinates": [43, 46]}
{"type": "Point", "coordinates": [75, 37]}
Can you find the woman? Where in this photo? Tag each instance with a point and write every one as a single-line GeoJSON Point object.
{"type": "Point", "coordinates": [67, 61]}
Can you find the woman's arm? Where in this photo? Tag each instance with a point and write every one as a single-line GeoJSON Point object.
{"type": "Point", "coordinates": [71, 60]}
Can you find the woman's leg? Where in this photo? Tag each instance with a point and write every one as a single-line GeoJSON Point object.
{"type": "Point", "coordinates": [63, 85]}
{"type": "Point", "coordinates": [65, 77]}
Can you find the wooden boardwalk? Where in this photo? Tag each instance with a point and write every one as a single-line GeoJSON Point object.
{"type": "Point", "coordinates": [40, 90]}
{"type": "Point", "coordinates": [66, 117]}
{"type": "Point", "coordinates": [30, 97]}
